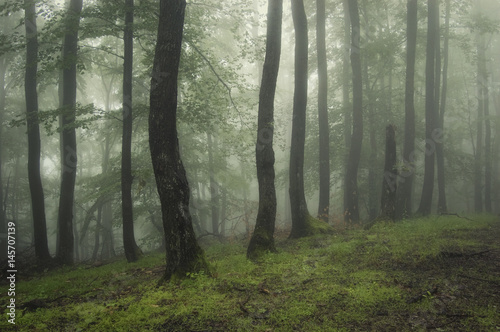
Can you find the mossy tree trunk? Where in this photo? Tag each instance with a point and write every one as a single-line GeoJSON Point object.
{"type": "Point", "coordinates": [262, 239]}
{"type": "Point", "coordinates": [183, 254]}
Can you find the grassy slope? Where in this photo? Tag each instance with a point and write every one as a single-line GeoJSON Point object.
{"type": "Point", "coordinates": [354, 280]}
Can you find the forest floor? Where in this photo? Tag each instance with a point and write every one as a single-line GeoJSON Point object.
{"type": "Point", "coordinates": [438, 273]}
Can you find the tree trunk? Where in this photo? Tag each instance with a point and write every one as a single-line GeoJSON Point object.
{"type": "Point", "coordinates": [351, 206]}
{"type": "Point", "coordinates": [442, 205]}
{"type": "Point", "coordinates": [183, 254]}
{"type": "Point", "coordinates": [132, 251]}
{"type": "Point", "coordinates": [3, 222]}
{"type": "Point", "coordinates": [478, 159]}
{"type": "Point", "coordinates": [346, 105]}
{"type": "Point", "coordinates": [35, 180]}
{"type": "Point", "coordinates": [68, 135]}
{"type": "Point", "coordinates": [324, 139]}
{"type": "Point", "coordinates": [405, 188]}
{"type": "Point", "coordinates": [430, 111]}
{"type": "Point", "coordinates": [214, 186]}
{"type": "Point", "coordinates": [300, 214]}
{"type": "Point", "coordinates": [262, 238]}
{"type": "Point", "coordinates": [487, 127]}
{"type": "Point", "coordinates": [389, 186]}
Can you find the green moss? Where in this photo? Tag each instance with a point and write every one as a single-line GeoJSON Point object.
{"type": "Point", "coordinates": [315, 226]}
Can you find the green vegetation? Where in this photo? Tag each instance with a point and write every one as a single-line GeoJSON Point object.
{"type": "Point", "coordinates": [437, 272]}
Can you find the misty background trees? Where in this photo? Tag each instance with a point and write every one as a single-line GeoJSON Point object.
{"type": "Point", "coordinates": [365, 65]}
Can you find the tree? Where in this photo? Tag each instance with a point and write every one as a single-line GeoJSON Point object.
{"type": "Point", "coordinates": [430, 110]}
{"type": "Point", "coordinates": [132, 251]}
{"type": "Point", "coordinates": [442, 205]}
{"type": "Point", "coordinates": [388, 198]}
{"type": "Point", "coordinates": [478, 158]}
{"type": "Point", "coordinates": [351, 208]}
{"type": "Point", "coordinates": [68, 135]}
{"type": "Point", "coordinates": [324, 140]}
{"type": "Point", "coordinates": [31, 96]}
{"type": "Point", "coordinates": [405, 188]}
{"type": "Point", "coordinates": [262, 238]}
{"type": "Point", "coordinates": [183, 254]}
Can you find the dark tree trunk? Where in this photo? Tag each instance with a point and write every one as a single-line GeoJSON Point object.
{"type": "Point", "coordinates": [3, 223]}
{"type": "Point", "coordinates": [430, 111]}
{"type": "Point", "coordinates": [183, 254]}
{"type": "Point", "coordinates": [324, 137]}
{"type": "Point", "coordinates": [406, 175]}
{"type": "Point", "coordinates": [214, 186]}
{"type": "Point", "coordinates": [478, 158]}
{"type": "Point", "coordinates": [442, 205]}
{"type": "Point", "coordinates": [262, 238]}
{"type": "Point", "coordinates": [132, 251]}
{"type": "Point", "coordinates": [35, 180]}
{"type": "Point", "coordinates": [351, 206]}
{"type": "Point", "coordinates": [65, 250]}
{"type": "Point", "coordinates": [389, 186]}
{"type": "Point", "coordinates": [300, 214]}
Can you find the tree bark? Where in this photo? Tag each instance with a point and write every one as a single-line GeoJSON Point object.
{"type": "Point", "coordinates": [389, 186]}
{"type": "Point", "coordinates": [487, 126]}
{"type": "Point", "coordinates": [3, 222]}
{"type": "Point", "coordinates": [442, 204]}
{"type": "Point", "coordinates": [35, 181]}
{"type": "Point", "coordinates": [65, 250]}
{"type": "Point", "coordinates": [183, 254]}
{"type": "Point", "coordinates": [132, 251]}
{"type": "Point", "coordinates": [351, 206]}
{"type": "Point", "coordinates": [346, 105]}
{"type": "Point", "coordinates": [324, 137]}
{"type": "Point", "coordinates": [214, 186]}
{"type": "Point", "coordinates": [430, 111]}
{"type": "Point", "coordinates": [300, 214]}
{"type": "Point", "coordinates": [478, 158]}
{"type": "Point", "coordinates": [263, 236]}
{"type": "Point", "coordinates": [406, 175]}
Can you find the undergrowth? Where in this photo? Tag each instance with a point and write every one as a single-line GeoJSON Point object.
{"type": "Point", "coordinates": [395, 276]}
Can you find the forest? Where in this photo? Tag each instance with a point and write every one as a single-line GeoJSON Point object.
{"type": "Point", "coordinates": [176, 165]}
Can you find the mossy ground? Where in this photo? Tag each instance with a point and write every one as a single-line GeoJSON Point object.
{"type": "Point", "coordinates": [436, 273]}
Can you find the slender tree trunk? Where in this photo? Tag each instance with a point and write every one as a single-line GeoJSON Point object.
{"type": "Point", "coordinates": [262, 238]}
{"type": "Point", "coordinates": [351, 195]}
{"type": "Point", "coordinates": [487, 136]}
{"type": "Point", "coordinates": [430, 111]}
{"type": "Point", "coordinates": [35, 180]}
{"type": "Point", "coordinates": [132, 251]}
{"type": "Point", "coordinates": [183, 254]}
{"type": "Point", "coordinates": [478, 158]}
{"type": "Point", "coordinates": [324, 137]}
{"type": "Point", "coordinates": [300, 214]}
{"type": "Point", "coordinates": [405, 188]}
{"type": "Point", "coordinates": [442, 205]}
{"type": "Point", "coordinates": [388, 198]}
{"type": "Point", "coordinates": [346, 105]}
{"type": "Point", "coordinates": [68, 135]}
{"type": "Point", "coordinates": [214, 186]}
